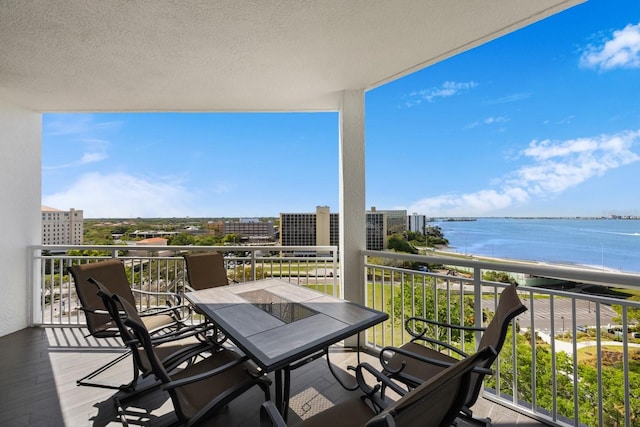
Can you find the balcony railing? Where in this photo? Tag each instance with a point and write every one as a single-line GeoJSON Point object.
{"type": "Point", "coordinates": [162, 269]}
{"type": "Point", "coordinates": [579, 368]}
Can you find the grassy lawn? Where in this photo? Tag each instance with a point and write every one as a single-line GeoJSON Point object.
{"type": "Point", "coordinates": [611, 356]}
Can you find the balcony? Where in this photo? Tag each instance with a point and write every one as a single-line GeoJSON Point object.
{"type": "Point", "coordinates": [566, 320]}
{"type": "Point", "coordinates": [42, 368]}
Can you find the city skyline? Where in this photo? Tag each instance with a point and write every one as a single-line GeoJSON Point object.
{"type": "Point", "coordinates": [541, 122]}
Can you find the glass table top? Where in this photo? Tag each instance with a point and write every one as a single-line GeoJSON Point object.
{"type": "Point", "coordinates": [281, 308]}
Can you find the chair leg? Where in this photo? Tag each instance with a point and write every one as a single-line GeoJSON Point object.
{"type": "Point", "coordinates": [120, 412]}
{"type": "Point", "coordinates": [342, 378]}
{"type": "Point", "coordinates": [129, 386]}
{"type": "Point", "coordinates": [467, 415]}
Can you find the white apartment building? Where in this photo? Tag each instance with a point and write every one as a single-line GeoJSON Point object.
{"type": "Point", "coordinates": [417, 223]}
{"type": "Point", "coordinates": [62, 227]}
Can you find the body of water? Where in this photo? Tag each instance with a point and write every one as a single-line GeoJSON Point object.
{"type": "Point", "coordinates": [607, 244]}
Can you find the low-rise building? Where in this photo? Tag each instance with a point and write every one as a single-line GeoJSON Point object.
{"type": "Point", "coordinates": [250, 229]}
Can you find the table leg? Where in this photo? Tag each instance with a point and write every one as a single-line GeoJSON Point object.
{"type": "Point", "coordinates": [283, 390]}
{"type": "Point", "coordinates": [286, 392]}
{"type": "Point", "coordinates": [278, 390]}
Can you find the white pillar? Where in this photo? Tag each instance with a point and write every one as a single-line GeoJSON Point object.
{"type": "Point", "coordinates": [21, 147]}
{"type": "Point", "coordinates": [352, 195]}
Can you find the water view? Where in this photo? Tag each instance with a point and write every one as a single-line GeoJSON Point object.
{"type": "Point", "coordinates": [599, 243]}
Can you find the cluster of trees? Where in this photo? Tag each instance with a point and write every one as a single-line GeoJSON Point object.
{"type": "Point", "coordinates": [98, 233]}
{"type": "Point", "coordinates": [186, 239]}
{"type": "Point", "coordinates": [586, 374]}
{"type": "Point", "coordinates": [409, 241]}
{"type": "Point", "coordinates": [424, 301]}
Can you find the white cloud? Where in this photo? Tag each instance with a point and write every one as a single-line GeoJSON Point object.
{"type": "Point", "coordinates": [489, 121]}
{"type": "Point", "coordinates": [82, 131]}
{"type": "Point", "coordinates": [555, 166]}
{"type": "Point", "coordinates": [92, 158]}
{"type": "Point", "coordinates": [124, 196]}
{"type": "Point", "coordinates": [510, 98]}
{"type": "Point", "coordinates": [445, 90]}
{"type": "Point", "coordinates": [76, 124]}
{"type": "Point", "coordinates": [622, 51]}
{"type": "Point", "coordinates": [86, 158]}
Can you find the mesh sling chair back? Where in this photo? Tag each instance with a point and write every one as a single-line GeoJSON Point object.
{"type": "Point", "coordinates": [173, 348]}
{"type": "Point", "coordinates": [200, 388]}
{"type": "Point", "coordinates": [421, 358]}
{"type": "Point", "coordinates": [112, 273]}
{"type": "Point", "coordinates": [205, 270]}
{"type": "Point", "coordinates": [434, 403]}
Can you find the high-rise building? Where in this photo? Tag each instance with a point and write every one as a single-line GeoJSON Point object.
{"type": "Point", "coordinates": [322, 228]}
{"type": "Point", "coordinates": [309, 229]}
{"type": "Point", "coordinates": [396, 220]}
{"type": "Point", "coordinates": [376, 230]}
{"type": "Point", "coordinates": [62, 227]}
{"type": "Point", "coordinates": [417, 223]}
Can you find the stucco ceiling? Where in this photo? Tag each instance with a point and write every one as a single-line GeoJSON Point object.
{"type": "Point", "coordinates": [233, 55]}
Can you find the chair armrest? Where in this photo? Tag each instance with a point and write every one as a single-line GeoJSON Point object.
{"type": "Point", "coordinates": [410, 354]}
{"type": "Point", "coordinates": [420, 358]}
{"type": "Point", "coordinates": [441, 344]}
{"type": "Point", "coordinates": [270, 416]}
{"type": "Point", "coordinates": [411, 330]}
{"type": "Point", "coordinates": [94, 311]}
{"type": "Point", "coordinates": [204, 375]}
{"type": "Point", "coordinates": [171, 310]}
{"type": "Point", "coordinates": [184, 332]}
{"type": "Point", "coordinates": [379, 376]}
{"type": "Point", "coordinates": [177, 297]}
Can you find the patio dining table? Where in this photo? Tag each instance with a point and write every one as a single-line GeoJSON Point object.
{"type": "Point", "coordinates": [279, 324]}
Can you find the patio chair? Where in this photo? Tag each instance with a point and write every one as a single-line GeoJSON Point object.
{"type": "Point", "coordinates": [436, 402]}
{"type": "Point", "coordinates": [99, 322]}
{"type": "Point", "coordinates": [205, 270]}
{"type": "Point", "coordinates": [173, 348]}
{"type": "Point", "coordinates": [201, 388]}
{"type": "Point", "coordinates": [423, 356]}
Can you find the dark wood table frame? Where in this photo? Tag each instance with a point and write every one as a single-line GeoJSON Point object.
{"type": "Point", "coordinates": [277, 323]}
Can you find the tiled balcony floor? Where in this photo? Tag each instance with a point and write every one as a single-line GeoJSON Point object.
{"type": "Point", "coordinates": [40, 367]}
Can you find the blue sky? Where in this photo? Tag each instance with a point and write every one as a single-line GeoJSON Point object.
{"type": "Point", "coordinates": [541, 122]}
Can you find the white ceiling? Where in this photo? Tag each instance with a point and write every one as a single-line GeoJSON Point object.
{"type": "Point", "coordinates": [233, 55]}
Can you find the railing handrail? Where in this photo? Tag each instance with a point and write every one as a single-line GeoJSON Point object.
{"type": "Point", "coordinates": [573, 273]}
{"type": "Point", "coordinates": [224, 248]}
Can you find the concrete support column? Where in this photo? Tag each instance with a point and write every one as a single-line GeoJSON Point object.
{"type": "Point", "coordinates": [352, 195]}
{"type": "Point", "coordinates": [20, 137]}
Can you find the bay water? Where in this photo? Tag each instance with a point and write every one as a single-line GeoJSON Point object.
{"type": "Point", "coordinates": [611, 244]}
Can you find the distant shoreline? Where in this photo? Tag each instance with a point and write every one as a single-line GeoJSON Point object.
{"type": "Point", "coordinates": [444, 251]}
{"type": "Point", "coordinates": [602, 218]}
